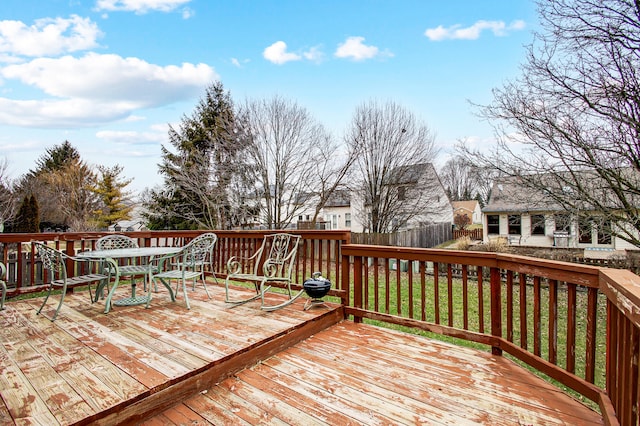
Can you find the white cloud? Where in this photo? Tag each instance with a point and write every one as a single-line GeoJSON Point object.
{"type": "Point", "coordinates": [154, 137]}
{"type": "Point", "coordinates": [112, 78]}
{"type": "Point", "coordinates": [314, 54]}
{"type": "Point", "coordinates": [277, 53]}
{"type": "Point", "coordinates": [457, 32]}
{"type": "Point", "coordinates": [354, 48]}
{"type": "Point", "coordinates": [60, 113]}
{"type": "Point", "coordinates": [239, 63]}
{"type": "Point", "coordinates": [140, 6]}
{"type": "Point", "coordinates": [48, 37]}
{"type": "Point", "coordinates": [97, 89]}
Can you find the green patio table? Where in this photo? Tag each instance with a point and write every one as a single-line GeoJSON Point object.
{"type": "Point", "coordinates": [113, 255]}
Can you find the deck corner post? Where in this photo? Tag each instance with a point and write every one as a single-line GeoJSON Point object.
{"type": "Point", "coordinates": [496, 308]}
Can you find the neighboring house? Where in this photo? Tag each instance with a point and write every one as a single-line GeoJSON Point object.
{"type": "Point", "coordinates": [135, 223]}
{"type": "Point", "coordinates": [470, 208]}
{"type": "Point", "coordinates": [523, 216]}
{"type": "Point", "coordinates": [422, 198]}
{"type": "Point", "coordinates": [337, 210]}
{"type": "Point", "coordinates": [419, 189]}
{"type": "Point", "coordinates": [336, 213]}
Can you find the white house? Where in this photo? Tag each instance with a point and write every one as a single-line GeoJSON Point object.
{"type": "Point", "coordinates": [419, 189]}
{"type": "Point", "coordinates": [525, 217]}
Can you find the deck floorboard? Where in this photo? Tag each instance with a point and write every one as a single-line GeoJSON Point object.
{"type": "Point", "coordinates": [87, 367]}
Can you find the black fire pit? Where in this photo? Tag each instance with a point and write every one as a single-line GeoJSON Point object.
{"type": "Point", "coordinates": [316, 288]}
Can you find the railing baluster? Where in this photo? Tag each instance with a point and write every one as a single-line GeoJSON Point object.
{"type": "Point", "coordinates": [510, 306]}
{"type": "Point", "coordinates": [590, 356]}
{"type": "Point", "coordinates": [523, 311]}
{"type": "Point", "coordinates": [465, 297]}
{"type": "Point", "coordinates": [537, 316]}
{"type": "Point", "coordinates": [480, 300]}
{"type": "Point", "coordinates": [553, 321]}
{"type": "Point", "coordinates": [571, 328]}
{"type": "Point", "coordinates": [410, 282]}
{"type": "Point", "coordinates": [436, 292]}
{"type": "Point", "coordinates": [423, 291]}
{"type": "Point", "coordinates": [450, 294]}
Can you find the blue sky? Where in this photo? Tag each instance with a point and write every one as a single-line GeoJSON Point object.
{"type": "Point", "coordinates": [109, 76]}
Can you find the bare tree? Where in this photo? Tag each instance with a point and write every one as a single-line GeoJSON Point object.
{"type": "Point", "coordinates": [74, 187]}
{"type": "Point", "coordinates": [465, 181]}
{"type": "Point", "coordinates": [389, 140]}
{"type": "Point", "coordinates": [333, 167]}
{"type": "Point", "coordinates": [569, 126]}
{"type": "Point", "coordinates": [8, 199]}
{"type": "Point", "coordinates": [284, 146]}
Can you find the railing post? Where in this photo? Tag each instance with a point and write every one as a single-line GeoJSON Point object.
{"type": "Point", "coordinates": [496, 307]}
{"type": "Point", "coordinates": [357, 285]}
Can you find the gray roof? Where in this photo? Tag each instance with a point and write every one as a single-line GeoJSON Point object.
{"type": "Point", "coordinates": [513, 194]}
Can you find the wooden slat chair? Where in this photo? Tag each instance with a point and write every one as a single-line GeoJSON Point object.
{"type": "Point", "coordinates": [188, 264]}
{"type": "Point", "coordinates": [273, 262]}
{"type": "Point", "coordinates": [132, 270]}
{"type": "Point", "coordinates": [3, 284]}
{"type": "Point", "coordinates": [55, 262]}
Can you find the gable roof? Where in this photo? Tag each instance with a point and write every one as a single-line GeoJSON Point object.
{"type": "Point", "coordinates": [469, 205]}
{"type": "Point", "coordinates": [513, 194]}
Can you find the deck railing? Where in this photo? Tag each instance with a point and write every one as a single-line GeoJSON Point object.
{"type": "Point", "coordinates": [577, 324]}
{"type": "Point", "coordinates": [523, 306]}
{"type": "Point", "coordinates": [320, 252]}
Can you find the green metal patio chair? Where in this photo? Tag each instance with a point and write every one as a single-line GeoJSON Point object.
{"type": "Point", "coordinates": [203, 256]}
{"type": "Point", "coordinates": [188, 264]}
{"type": "Point", "coordinates": [273, 262]}
{"type": "Point", "coordinates": [55, 263]}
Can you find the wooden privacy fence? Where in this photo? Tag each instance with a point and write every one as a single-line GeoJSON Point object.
{"type": "Point", "coordinates": [428, 236]}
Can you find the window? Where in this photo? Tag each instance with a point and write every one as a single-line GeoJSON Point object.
{"type": "Point", "coordinates": [402, 193]}
{"type": "Point", "coordinates": [563, 223]}
{"type": "Point", "coordinates": [537, 224]}
{"type": "Point", "coordinates": [347, 220]}
{"type": "Point", "coordinates": [604, 232]}
{"type": "Point", "coordinates": [515, 224]}
{"type": "Point", "coordinates": [493, 224]}
{"type": "Point", "coordinates": [584, 231]}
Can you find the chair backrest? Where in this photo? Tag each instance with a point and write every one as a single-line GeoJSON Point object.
{"type": "Point", "coordinates": [52, 259]}
{"type": "Point", "coordinates": [116, 241]}
{"type": "Point", "coordinates": [277, 255]}
{"type": "Point", "coordinates": [198, 249]}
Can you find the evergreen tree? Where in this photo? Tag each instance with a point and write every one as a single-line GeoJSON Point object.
{"type": "Point", "coordinates": [34, 214]}
{"type": "Point", "coordinates": [27, 220]}
{"type": "Point", "coordinates": [115, 202]}
{"type": "Point", "coordinates": [203, 172]}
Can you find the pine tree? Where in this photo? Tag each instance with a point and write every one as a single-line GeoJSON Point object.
{"type": "Point", "coordinates": [115, 202]}
{"type": "Point", "coordinates": [203, 172]}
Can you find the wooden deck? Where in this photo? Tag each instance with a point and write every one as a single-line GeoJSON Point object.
{"type": "Point", "coordinates": [167, 365]}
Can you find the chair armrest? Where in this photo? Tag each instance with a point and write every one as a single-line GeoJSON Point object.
{"type": "Point", "coordinates": [235, 263]}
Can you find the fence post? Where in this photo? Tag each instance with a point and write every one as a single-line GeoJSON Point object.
{"type": "Point", "coordinates": [496, 307]}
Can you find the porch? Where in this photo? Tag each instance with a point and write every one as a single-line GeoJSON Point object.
{"type": "Point", "coordinates": [216, 364]}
